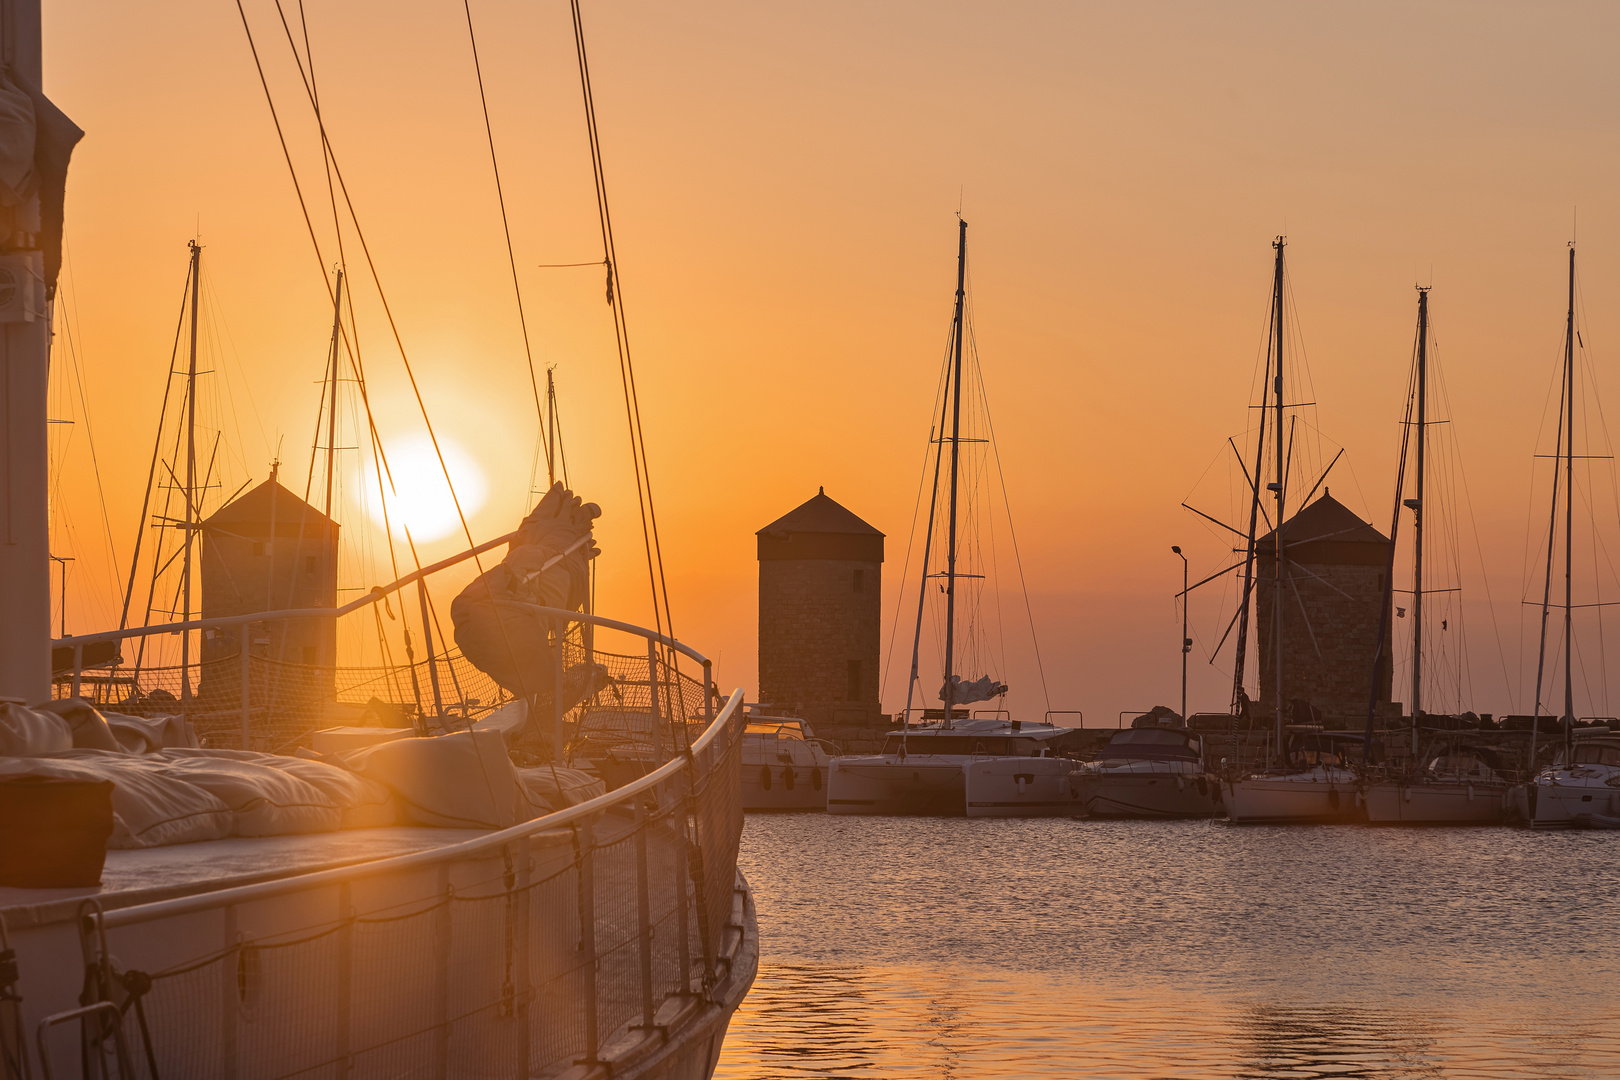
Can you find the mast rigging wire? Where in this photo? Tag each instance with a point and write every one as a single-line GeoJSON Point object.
{"type": "Point", "coordinates": [506, 228]}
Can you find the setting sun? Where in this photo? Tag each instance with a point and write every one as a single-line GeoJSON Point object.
{"type": "Point", "coordinates": [419, 500]}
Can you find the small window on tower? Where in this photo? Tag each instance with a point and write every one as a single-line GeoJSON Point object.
{"type": "Point", "coordinates": [309, 565]}
{"type": "Point", "coordinates": [859, 581]}
{"type": "Point", "coordinates": [258, 547]}
{"type": "Point", "coordinates": [854, 690]}
{"type": "Point", "coordinates": [309, 655]}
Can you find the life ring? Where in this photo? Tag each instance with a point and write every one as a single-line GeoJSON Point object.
{"type": "Point", "coordinates": [765, 777]}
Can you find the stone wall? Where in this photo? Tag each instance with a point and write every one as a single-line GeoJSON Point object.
{"type": "Point", "coordinates": [1329, 633]}
{"type": "Point", "coordinates": [815, 621]}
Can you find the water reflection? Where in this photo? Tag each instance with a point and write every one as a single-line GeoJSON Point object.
{"type": "Point", "coordinates": [1059, 949]}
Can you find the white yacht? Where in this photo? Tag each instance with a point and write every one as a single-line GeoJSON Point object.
{"type": "Point", "coordinates": [980, 767]}
{"type": "Point", "coordinates": [1460, 784]}
{"type": "Point", "coordinates": [784, 765]}
{"type": "Point", "coordinates": [1318, 786]}
{"type": "Point", "coordinates": [1579, 790]}
{"type": "Point", "coordinates": [1153, 772]}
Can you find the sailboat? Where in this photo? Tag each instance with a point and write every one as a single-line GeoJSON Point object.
{"type": "Point", "coordinates": [1581, 788]}
{"type": "Point", "coordinates": [980, 766]}
{"type": "Point", "coordinates": [1309, 778]}
{"type": "Point", "coordinates": [1455, 780]}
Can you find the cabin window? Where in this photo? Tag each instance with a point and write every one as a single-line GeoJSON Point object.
{"type": "Point", "coordinates": [853, 691]}
{"type": "Point", "coordinates": [258, 547]}
{"type": "Point", "coordinates": [858, 581]}
{"type": "Point", "coordinates": [309, 565]}
{"type": "Point", "coordinates": [309, 655]}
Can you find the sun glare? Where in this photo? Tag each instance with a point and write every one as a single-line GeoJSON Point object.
{"type": "Point", "coordinates": [419, 498]}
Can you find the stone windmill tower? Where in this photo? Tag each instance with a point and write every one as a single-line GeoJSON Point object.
{"type": "Point", "coordinates": [820, 601]}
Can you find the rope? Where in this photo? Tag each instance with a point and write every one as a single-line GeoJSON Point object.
{"type": "Point", "coordinates": [506, 228]}
{"type": "Point", "coordinates": [638, 447]}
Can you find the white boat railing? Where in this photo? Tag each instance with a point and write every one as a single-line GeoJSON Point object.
{"type": "Point", "coordinates": [661, 677]}
{"type": "Point", "coordinates": [589, 940]}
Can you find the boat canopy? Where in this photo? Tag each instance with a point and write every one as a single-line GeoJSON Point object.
{"type": "Point", "coordinates": [1152, 744]}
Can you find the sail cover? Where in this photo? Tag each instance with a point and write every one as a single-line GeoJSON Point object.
{"type": "Point", "coordinates": [958, 692]}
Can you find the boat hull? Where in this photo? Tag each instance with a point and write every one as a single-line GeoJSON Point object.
{"type": "Point", "coordinates": [1151, 795]}
{"type": "Point", "coordinates": [1022, 787]}
{"type": "Point", "coordinates": [1292, 801]}
{"type": "Point", "coordinates": [1436, 803]}
{"type": "Point", "coordinates": [890, 784]}
{"type": "Point", "coordinates": [1566, 806]}
{"type": "Point", "coordinates": [783, 787]}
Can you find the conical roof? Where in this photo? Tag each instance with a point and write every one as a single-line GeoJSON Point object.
{"type": "Point", "coordinates": [818, 514]}
{"type": "Point", "coordinates": [1327, 531]}
{"type": "Point", "coordinates": [269, 501]}
{"type": "Point", "coordinates": [820, 528]}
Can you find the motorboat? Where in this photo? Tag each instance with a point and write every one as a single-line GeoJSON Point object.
{"type": "Point", "coordinates": [1579, 790]}
{"type": "Point", "coordinates": [978, 767]}
{"type": "Point", "coordinates": [1460, 784]}
{"type": "Point", "coordinates": [1150, 772]}
{"type": "Point", "coordinates": [1317, 786]}
{"type": "Point", "coordinates": [784, 765]}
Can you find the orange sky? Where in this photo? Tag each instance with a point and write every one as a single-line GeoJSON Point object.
{"type": "Point", "coordinates": [784, 180]}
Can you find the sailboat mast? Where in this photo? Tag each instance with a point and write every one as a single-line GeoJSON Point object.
{"type": "Point", "coordinates": [956, 433]}
{"type": "Point", "coordinates": [331, 405]}
{"type": "Point", "coordinates": [191, 478]}
{"type": "Point", "coordinates": [1277, 434]}
{"type": "Point", "coordinates": [551, 429]}
{"type": "Point", "coordinates": [1569, 504]}
{"type": "Point", "coordinates": [1417, 514]}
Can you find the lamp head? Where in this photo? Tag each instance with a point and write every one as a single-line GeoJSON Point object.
{"type": "Point", "coordinates": [1175, 549]}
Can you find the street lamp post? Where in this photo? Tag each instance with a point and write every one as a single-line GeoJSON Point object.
{"type": "Point", "coordinates": [1186, 642]}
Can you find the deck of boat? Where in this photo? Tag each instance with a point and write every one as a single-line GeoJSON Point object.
{"type": "Point", "coordinates": [145, 875]}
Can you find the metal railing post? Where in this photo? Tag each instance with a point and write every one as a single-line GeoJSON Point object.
{"type": "Point", "coordinates": [708, 691]}
{"type": "Point", "coordinates": [557, 711]}
{"type": "Point", "coordinates": [683, 923]}
{"type": "Point", "coordinates": [345, 981]}
{"type": "Point", "coordinates": [246, 638]}
{"type": "Point", "coordinates": [78, 666]}
{"type": "Point", "coordinates": [654, 710]}
{"type": "Point", "coordinates": [644, 916]}
{"type": "Point", "coordinates": [441, 975]}
{"type": "Point", "coordinates": [585, 868]}
{"type": "Point", "coordinates": [522, 902]}
{"type": "Point", "coordinates": [427, 644]}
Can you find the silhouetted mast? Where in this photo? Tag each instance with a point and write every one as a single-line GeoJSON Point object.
{"type": "Point", "coordinates": [1277, 392]}
{"type": "Point", "coordinates": [1416, 506]}
{"type": "Point", "coordinates": [191, 480]}
{"type": "Point", "coordinates": [956, 432]}
{"type": "Point", "coordinates": [331, 407]}
{"type": "Point", "coordinates": [1569, 504]}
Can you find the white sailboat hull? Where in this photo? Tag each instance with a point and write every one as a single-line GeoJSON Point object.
{"type": "Point", "coordinates": [891, 784]}
{"type": "Point", "coordinates": [1436, 803]}
{"type": "Point", "coordinates": [1316, 797]}
{"type": "Point", "coordinates": [1110, 794]}
{"type": "Point", "coordinates": [1566, 805]}
{"type": "Point", "coordinates": [1022, 787]}
{"type": "Point", "coordinates": [783, 787]}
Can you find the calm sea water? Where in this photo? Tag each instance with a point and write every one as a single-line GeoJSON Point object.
{"type": "Point", "coordinates": [899, 947]}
